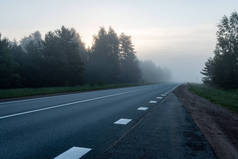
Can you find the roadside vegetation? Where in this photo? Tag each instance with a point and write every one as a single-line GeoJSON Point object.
{"type": "Point", "coordinates": [24, 92]}
{"type": "Point", "coordinates": [221, 71]}
{"type": "Point", "coordinates": [223, 97]}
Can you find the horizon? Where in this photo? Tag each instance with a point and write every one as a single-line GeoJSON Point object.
{"type": "Point", "coordinates": [173, 35]}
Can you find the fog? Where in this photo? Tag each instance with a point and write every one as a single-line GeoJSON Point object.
{"type": "Point", "coordinates": [176, 35]}
{"type": "Point", "coordinates": [182, 51]}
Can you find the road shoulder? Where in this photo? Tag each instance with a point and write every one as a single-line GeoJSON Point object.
{"type": "Point", "coordinates": [218, 124]}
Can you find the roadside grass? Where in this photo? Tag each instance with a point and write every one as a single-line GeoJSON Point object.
{"type": "Point", "coordinates": [226, 98]}
{"type": "Point", "coordinates": [26, 92]}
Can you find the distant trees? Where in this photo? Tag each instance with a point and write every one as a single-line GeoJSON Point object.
{"type": "Point", "coordinates": [153, 73]}
{"type": "Point", "coordinates": [61, 59]}
{"type": "Point", "coordinates": [222, 69]}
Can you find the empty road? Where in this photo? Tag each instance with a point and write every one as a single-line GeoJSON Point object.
{"type": "Point", "coordinates": [85, 125]}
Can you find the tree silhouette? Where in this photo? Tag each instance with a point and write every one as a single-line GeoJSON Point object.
{"type": "Point", "coordinates": [103, 66]}
{"type": "Point", "coordinates": [61, 59]}
{"type": "Point", "coordinates": [8, 67]}
{"type": "Point", "coordinates": [222, 69]}
{"type": "Point", "coordinates": [62, 49]}
{"type": "Point", "coordinates": [130, 71]}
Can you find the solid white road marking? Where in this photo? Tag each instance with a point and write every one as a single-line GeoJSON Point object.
{"type": "Point", "coordinates": [159, 97]}
{"type": "Point", "coordinates": [122, 121]}
{"type": "Point", "coordinates": [73, 153]}
{"type": "Point", "coordinates": [21, 100]}
{"type": "Point", "coordinates": [142, 108]}
{"type": "Point", "coordinates": [152, 101]}
{"type": "Point", "coordinates": [62, 105]}
{"type": "Point", "coordinates": [38, 98]}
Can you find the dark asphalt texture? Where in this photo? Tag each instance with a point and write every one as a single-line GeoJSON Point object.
{"type": "Point", "coordinates": [48, 133]}
{"type": "Point", "coordinates": [167, 131]}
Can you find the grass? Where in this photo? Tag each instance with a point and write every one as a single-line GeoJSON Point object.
{"type": "Point", "coordinates": [26, 92]}
{"type": "Point", "coordinates": [226, 98]}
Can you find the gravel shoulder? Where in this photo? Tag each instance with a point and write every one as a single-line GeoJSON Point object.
{"type": "Point", "coordinates": [219, 125]}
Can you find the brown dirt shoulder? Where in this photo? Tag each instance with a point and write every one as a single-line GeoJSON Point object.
{"type": "Point", "coordinates": [219, 125]}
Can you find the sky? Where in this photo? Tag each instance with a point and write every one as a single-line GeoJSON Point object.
{"type": "Point", "coordinates": [177, 34]}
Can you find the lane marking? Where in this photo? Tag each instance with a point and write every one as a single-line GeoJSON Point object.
{"type": "Point", "coordinates": [21, 100]}
{"type": "Point", "coordinates": [73, 153]}
{"type": "Point", "coordinates": [142, 108]}
{"type": "Point", "coordinates": [152, 102]}
{"type": "Point", "coordinates": [163, 95]}
{"type": "Point", "coordinates": [122, 121]}
{"type": "Point", "coordinates": [171, 90]}
{"type": "Point", "coordinates": [159, 97]}
{"type": "Point", "coordinates": [63, 105]}
{"type": "Point", "coordinates": [38, 98]}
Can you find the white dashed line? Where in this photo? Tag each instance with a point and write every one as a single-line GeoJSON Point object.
{"type": "Point", "coordinates": [73, 153]}
{"type": "Point", "coordinates": [142, 108]}
{"type": "Point", "coordinates": [163, 95]}
{"type": "Point", "coordinates": [122, 121]}
{"type": "Point", "coordinates": [152, 102]}
{"type": "Point", "coordinates": [159, 97]}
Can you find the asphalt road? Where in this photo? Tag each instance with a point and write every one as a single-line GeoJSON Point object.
{"type": "Point", "coordinates": [167, 131]}
{"type": "Point", "coordinates": [44, 128]}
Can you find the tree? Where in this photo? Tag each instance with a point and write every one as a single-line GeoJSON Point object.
{"type": "Point", "coordinates": [63, 51]}
{"type": "Point", "coordinates": [32, 60]}
{"type": "Point", "coordinates": [8, 67]}
{"type": "Point", "coordinates": [222, 69]}
{"type": "Point", "coordinates": [103, 65]}
{"type": "Point", "coordinates": [130, 71]}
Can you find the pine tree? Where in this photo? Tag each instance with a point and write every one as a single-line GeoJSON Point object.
{"type": "Point", "coordinates": [130, 71]}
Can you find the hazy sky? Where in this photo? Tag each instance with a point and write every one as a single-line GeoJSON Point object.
{"type": "Point", "coordinates": [177, 34]}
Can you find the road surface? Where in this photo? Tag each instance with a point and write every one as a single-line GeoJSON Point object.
{"type": "Point", "coordinates": [87, 125]}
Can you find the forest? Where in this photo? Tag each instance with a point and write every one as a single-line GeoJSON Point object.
{"type": "Point", "coordinates": [60, 58]}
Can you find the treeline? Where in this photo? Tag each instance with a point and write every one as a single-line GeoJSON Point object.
{"type": "Point", "coordinates": [152, 73]}
{"type": "Point", "coordinates": [61, 59]}
{"type": "Point", "coordinates": [222, 69]}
